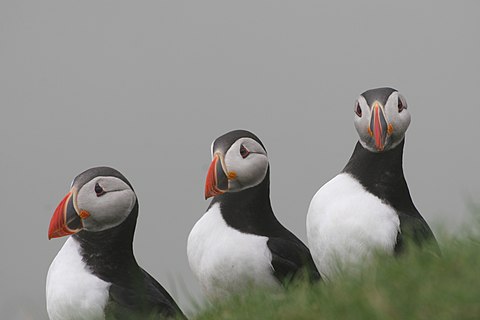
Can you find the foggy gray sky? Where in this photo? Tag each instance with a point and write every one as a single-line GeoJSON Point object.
{"type": "Point", "coordinates": [146, 86]}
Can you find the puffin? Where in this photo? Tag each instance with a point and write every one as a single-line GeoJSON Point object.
{"type": "Point", "coordinates": [239, 243]}
{"type": "Point", "coordinates": [367, 208]}
{"type": "Point", "coordinates": [95, 274]}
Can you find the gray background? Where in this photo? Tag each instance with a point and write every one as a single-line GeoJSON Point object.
{"type": "Point", "coordinates": [145, 86]}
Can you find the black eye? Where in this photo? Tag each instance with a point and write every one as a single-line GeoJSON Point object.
{"type": "Point", "coordinates": [358, 109]}
{"type": "Point", "coordinates": [99, 190]}
{"type": "Point", "coordinates": [401, 105]}
{"type": "Point", "coordinates": [244, 151]}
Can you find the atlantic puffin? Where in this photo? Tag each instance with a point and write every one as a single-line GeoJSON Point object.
{"type": "Point", "coordinates": [239, 242]}
{"type": "Point", "coordinates": [367, 208]}
{"type": "Point", "coordinates": [95, 275]}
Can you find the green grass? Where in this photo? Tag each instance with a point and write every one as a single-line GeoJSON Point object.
{"type": "Point", "coordinates": [415, 285]}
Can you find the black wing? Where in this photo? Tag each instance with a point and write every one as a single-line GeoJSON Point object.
{"type": "Point", "coordinates": [414, 228]}
{"type": "Point", "coordinates": [290, 257]}
{"type": "Point", "coordinates": [146, 299]}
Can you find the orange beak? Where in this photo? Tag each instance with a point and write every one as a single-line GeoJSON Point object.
{"type": "Point", "coordinates": [217, 181]}
{"type": "Point", "coordinates": [65, 220]}
{"type": "Point", "coordinates": [378, 126]}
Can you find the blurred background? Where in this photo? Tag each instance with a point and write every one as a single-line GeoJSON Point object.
{"type": "Point", "coordinates": [146, 86]}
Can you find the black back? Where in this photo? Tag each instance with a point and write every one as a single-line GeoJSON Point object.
{"type": "Point", "coordinates": [381, 173]}
{"type": "Point", "coordinates": [133, 292]}
{"type": "Point", "coordinates": [250, 211]}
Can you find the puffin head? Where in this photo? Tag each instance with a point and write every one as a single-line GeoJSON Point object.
{"type": "Point", "coordinates": [381, 119]}
{"type": "Point", "coordinates": [239, 162]}
{"type": "Point", "coordinates": [99, 199]}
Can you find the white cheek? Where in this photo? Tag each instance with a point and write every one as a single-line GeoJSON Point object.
{"type": "Point", "coordinates": [249, 171]}
{"type": "Point", "coordinates": [253, 171]}
{"type": "Point", "coordinates": [106, 211]}
{"type": "Point", "coordinates": [361, 125]}
{"type": "Point", "coordinates": [400, 122]}
{"type": "Point", "coordinates": [405, 120]}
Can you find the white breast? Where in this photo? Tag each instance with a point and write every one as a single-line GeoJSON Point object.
{"type": "Point", "coordinates": [73, 293]}
{"type": "Point", "coordinates": [346, 225]}
{"type": "Point", "coordinates": [225, 260]}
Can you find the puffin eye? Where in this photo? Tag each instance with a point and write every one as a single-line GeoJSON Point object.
{"type": "Point", "coordinates": [99, 190]}
{"type": "Point", "coordinates": [244, 151]}
{"type": "Point", "coordinates": [358, 109]}
{"type": "Point", "coordinates": [401, 104]}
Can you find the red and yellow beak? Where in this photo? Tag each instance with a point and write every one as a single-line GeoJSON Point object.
{"type": "Point", "coordinates": [378, 126]}
{"type": "Point", "coordinates": [217, 180]}
{"type": "Point", "coordinates": [65, 220]}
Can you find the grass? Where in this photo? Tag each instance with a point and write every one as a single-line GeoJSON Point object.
{"type": "Point", "coordinates": [415, 285]}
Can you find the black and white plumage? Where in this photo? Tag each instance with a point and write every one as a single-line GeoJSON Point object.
{"type": "Point", "coordinates": [238, 241]}
{"type": "Point", "coordinates": [95, 274]}
{"type": "Point", "coordinates": [367, 207]}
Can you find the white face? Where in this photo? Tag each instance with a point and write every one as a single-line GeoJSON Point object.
{"type": "Point", "coordinates": [246, 164]}
{"type": "Point", "coordinates": [396, 116]}
{"type": "Point", "coordinates": [108, 201]}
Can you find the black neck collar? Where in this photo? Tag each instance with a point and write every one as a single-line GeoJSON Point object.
{"type": "Point", "coordinates": [109, 253]}
{"type": "Point", "coordinates": [250, 210]}
{"type": "Point", "coordinates": [381, 173]}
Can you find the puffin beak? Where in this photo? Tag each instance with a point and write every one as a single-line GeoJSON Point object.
{"type": "Point", "coordinates": [65, 220]}
{"type": "Point", "coordinates": [378, 126]}
{"type": "Point", "coordinates": [217, 179]}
